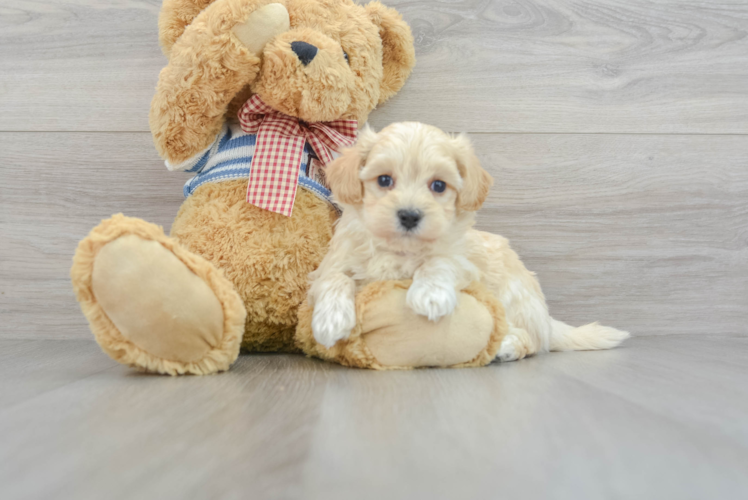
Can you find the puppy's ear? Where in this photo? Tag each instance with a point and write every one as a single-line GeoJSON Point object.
{"type": "Point", "coordinates": [343, 172]}
{"type": "Point", "coordinates": [475, 181]}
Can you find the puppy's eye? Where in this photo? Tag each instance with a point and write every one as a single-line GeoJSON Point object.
{"type": "Point", "coordinates": [345, 55]}
{"type": "Point", "coordinates": [438, 186]}
{"type": "Point", "coordinates": [385, 181]}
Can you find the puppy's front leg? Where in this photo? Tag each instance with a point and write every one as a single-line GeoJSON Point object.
{"type": "Point", "coordinates": [334, 313]}
{"type": "Point", "coordinates": [434, 290]}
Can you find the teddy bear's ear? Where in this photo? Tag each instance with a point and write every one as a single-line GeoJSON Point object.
{"type": "Point", "coordinates": [175, 16]}
{"type": "Point", "coordinates": [397, 46]}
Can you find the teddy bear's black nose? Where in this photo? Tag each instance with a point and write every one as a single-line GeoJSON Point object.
{"type": "Point", "coordinates": [304, 51]}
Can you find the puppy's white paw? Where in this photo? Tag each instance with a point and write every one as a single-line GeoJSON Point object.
{"type": "Point", "coordinates": [333, 320]}
{"type": "Point", "coordinates": [431, 299]}
{"type": "Point", "coordinates": [511, 349]}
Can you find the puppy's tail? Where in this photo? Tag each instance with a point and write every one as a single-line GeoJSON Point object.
{"type": "Point", "coordinates": [584, 338]}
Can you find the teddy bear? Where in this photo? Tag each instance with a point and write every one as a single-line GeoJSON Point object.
{"type": "Point", "coordinates": [256, 98]}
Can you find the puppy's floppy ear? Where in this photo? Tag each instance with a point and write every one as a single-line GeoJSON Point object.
{"type": "Point", "coordinates": [343, 172]}
{"type": "Point", "coordinates": [476, 182]}
{"type": "Point", "coordinates": [398, 51]}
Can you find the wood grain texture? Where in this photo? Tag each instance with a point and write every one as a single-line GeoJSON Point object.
{"type": "Point", "coordinates": [55, 189]}
{"type": "Point", "coordinates": [632, 66]}
{"type": "Point", "coordinates": [661, 417]}
{"type": "Point", "coordinates": [85, 65]}
{"type": "Point", "coordinates": [31, 369]}
{"type": "Point", "coordinates": [491, 66]}
{"type": "Point", "coordinates": [645, 233]}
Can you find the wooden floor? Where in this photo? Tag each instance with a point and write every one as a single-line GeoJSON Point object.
{"type": "Point", "coordinates": [663, 418]}
{"type": "Point", "coordinates": [617, 133]}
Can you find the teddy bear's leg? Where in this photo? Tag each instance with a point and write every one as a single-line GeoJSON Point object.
{"type": "Point", "coordinates": [152, 304]}
{"type": "Point", "coordinates": [267, 256]}
{"type": "Point", "coordinates": [390, 335]}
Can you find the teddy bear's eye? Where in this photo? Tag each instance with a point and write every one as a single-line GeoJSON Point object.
{"type": "Point", "coordinates": [345, 54]}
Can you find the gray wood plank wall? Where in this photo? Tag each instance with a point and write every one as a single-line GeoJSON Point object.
{"type": "Point", "coordinates": [617, 132]}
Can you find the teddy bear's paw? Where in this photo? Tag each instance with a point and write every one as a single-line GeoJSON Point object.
{"type": "Point", "coordinates": [263, 25]}
{"type": "Point", "coordinates": [333, 320]}
{"type": "Point", "coordinates": [431, 299]}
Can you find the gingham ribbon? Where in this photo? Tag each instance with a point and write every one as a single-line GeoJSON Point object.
{"type": "Point", "coordinates": [274, 174]}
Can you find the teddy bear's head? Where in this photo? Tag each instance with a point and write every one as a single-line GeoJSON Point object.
{"type": "Point", "coordinates": [332, 59]}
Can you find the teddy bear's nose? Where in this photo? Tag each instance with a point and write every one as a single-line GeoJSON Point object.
{"type": "Point", "coordinates": [304, 51]}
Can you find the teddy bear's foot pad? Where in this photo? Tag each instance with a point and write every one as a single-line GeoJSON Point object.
{"type": "Point", "coordinates": [397, 336]}
{"type": "Point", "coordinates": [152, 304]}
{"type": "Point", "coordinates": [155, 301]}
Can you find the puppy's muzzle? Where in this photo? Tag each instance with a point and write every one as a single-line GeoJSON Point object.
{"type": "Point", "coordinates": [409, 219]}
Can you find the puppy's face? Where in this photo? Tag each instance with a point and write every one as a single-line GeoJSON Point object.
{"type": "Point", "coordinates": [411, 180]}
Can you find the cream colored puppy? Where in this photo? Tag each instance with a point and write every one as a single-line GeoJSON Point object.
{"type": "Point", "coordinates": [409, 196]}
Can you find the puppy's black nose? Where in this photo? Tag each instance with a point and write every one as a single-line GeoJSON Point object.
{"type": "Point", "coordinates": [304, 51]}
{"type": "Point", "coordinates": [409, 218]}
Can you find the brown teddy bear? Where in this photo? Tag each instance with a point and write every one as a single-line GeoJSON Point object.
{"type": "Point", "coordinates": [300, 75]}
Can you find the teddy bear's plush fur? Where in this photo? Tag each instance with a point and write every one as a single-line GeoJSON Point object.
{"type": "Point", "coordinates": [210, 67]}
{"type": "Point", "coordinates": [233, 273]}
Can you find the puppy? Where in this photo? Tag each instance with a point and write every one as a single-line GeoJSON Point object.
{"type": "Point", "coordinates": [409, 196]}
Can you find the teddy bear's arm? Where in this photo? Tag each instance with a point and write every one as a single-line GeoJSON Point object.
{"type": "Point", "coordinates": [209, 65]}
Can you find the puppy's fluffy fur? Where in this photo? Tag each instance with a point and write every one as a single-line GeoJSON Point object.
{"type": "Point", "coordinates": [399, 222]}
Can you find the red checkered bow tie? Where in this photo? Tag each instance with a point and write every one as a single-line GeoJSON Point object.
{"type": "Point", "coordinates": [274, 174]}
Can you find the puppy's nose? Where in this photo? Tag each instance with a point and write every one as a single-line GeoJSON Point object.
{"type": "Point", "coordinates": [409, 218]}
{"type": "Point", "coordinates": [304, 51]}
